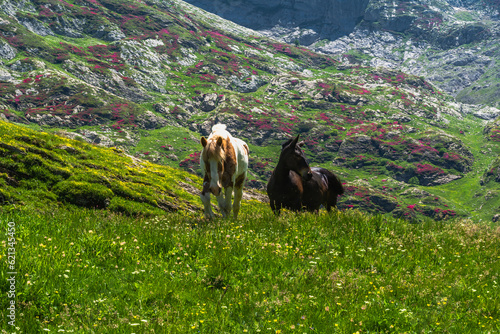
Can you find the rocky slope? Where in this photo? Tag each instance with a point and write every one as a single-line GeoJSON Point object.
{"type": "Point", "coordinates": [152, 76]}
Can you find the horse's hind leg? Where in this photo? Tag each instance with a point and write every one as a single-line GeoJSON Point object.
{"type": "Point", "coordinates": [275, 208]}
{"type": "Point", "coordinates": [331, 200]}
{"type": "Point", "coordinates": [238, 194]}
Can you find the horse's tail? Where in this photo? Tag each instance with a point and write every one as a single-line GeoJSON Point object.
{"type": "Point", "coordinates": [334, 183]}
{"type": "Point", "coordinates": [335, 187]}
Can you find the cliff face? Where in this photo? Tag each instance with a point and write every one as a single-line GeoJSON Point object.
{"type": "Point", "coordinates": [318, 19]}
{"type": "Point", "coordinates": [310, 21]}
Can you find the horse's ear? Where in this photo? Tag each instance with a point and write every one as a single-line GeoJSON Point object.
{"type": "Point", "coordinates": [203, 141]}
{"type": "Point", "coordinates": [301, 143]}
{"type": "Point", "coordinates": [285, 144]}
{"type": "Point", "coordinates": [290, 143]}
{"type": "Point", "coordinates": [219, 141]}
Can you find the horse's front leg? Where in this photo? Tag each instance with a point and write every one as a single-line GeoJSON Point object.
{"type": "Point", "coordinates": [205, 199]}
{"type": "Point", "coordinates": [224, 201]}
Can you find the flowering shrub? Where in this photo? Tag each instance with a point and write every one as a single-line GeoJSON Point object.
{"type": "Point", "coordinates": [493, 132]}
{"type": "Point", "coordinates": [282, 48]}
{"type": "Point", "coordinates": [101, 56]}
{"type": "Point", "coordinates": [109, 53]}
{"type": "Point", "coordinates": [422, 149]}
{"type": "Point", "coordinates": [366, 198]}
{"type": "Point", "coordinates": [263, 124]}
{"type": "Point", "coordinates": [260, 167]}
{"type": "Point", "coordinates": [94, 2]}
{"type": "Point", "coordinates": [208, 77]}
{"type": "Point", "coordinates": [440, 214]}
{"type": "Point", "coordinates": [403, 97]}
{"type": "Point", "coordinates": [377, 131]}
{"type": "Point", "coordinates": [47, 13]}
{"type": "Point", "coordinates": [426, 169]}
{"type": "Point", "coordinates": [170, 42]}
{"type": "Point", "coordinates": [192, 162]}
{"type": "Point", "coordinates": [229, 64]}
{"type": "Point", "coordinates": [325, 88]}
{"type": "Point", "coordinates": [398, 78]}
{"type": "Point", "coordinates": [221, 40]}
{"type": "Point", "coordinates": [328, 119]}
{"type": "Point", "coordinates": [79, 106]}
{"type": "Point", "coordinates": [452, 157]}
{"type": "Point", "coordinates": [351, 121]}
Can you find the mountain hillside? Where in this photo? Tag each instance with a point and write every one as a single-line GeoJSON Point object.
{"type": "Point", "coordinates": [150, 77]}
{"type": "Point", "coordinates": [454, 44]}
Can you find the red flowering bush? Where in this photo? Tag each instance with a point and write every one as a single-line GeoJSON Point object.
{"type": "Point", "coordinates": [426, 169]}
{"type": "Point", "coordinates": [192, 162]}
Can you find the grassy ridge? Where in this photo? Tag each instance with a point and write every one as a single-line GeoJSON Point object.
{"type": "Point", "coordinates": [45, 171]}
{"type": "Point", "coordinates": [92, 271]}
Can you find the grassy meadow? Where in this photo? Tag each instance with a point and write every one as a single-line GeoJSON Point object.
{"type": "Point", "coordinates": [101, 240]}
{"type": "Point", "coordinates": [95, 271]}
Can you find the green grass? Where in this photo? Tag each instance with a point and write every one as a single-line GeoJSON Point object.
{"type": "Point", "coordinates": [88, 271]}
{"type": "Point", "coordinates": [153, 141]}
{"type": "Point", "coordinates": [465, 16]}
{"type": "Point", "coordinates": [467, 192]}
{"type": "Point", "coordinates": [333, 89]}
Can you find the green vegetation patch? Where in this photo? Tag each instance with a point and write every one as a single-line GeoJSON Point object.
{"type": "Point", "coordinates": [83, 194]}
{"type": "Point", "coordinates": [72, 172]}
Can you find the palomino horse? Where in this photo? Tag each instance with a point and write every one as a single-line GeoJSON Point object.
{"type": "Point", "coordinates": [224, 164]}
{"type": "Point", "coordinates": [296, 186]}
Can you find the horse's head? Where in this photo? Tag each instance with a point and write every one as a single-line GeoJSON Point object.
{"type": "Point", "coordinates": [213, 156]}
{"type": "Point", "coordinates": [294, 159]}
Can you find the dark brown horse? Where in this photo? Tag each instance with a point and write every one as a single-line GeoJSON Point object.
{"type": "Point", "coordinates": [296, 186]}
